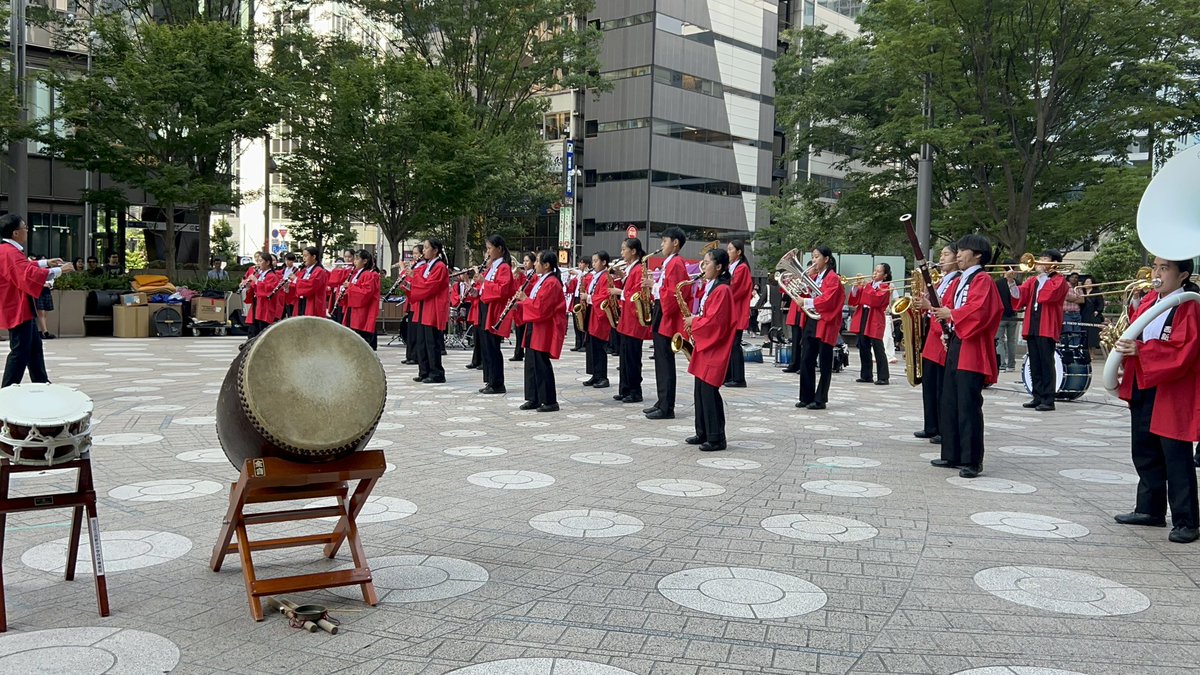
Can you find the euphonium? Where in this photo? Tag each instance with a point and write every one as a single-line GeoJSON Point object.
{"type": "Point", "coordinates": [680, 342]}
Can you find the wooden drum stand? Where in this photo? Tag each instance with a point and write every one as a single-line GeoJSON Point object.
{"type": "Point", "coordinates": [270, 480]}
{"type": "Point", "coordinates": [84, 497]}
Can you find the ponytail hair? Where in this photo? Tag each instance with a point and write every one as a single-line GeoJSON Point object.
{"type": "Point", "coordinates": [548, 257]}
{"type": "Point", "coordinates": [436, 245]}
{"type": "Point", "coordinates": [721, 257]}
{"type": "Point", "coordinates": [498, 242]}
{"type": "Point", "coordinates": [634, 244]}
{"type": "Point", "coordinates": [364, 254]}
{"type": "Point", "coordinates": [828, 253]}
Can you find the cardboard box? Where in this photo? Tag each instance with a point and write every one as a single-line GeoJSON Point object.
{"type": "Point", "coordinates": [131, 322]}
{"type": "Point", "coordinates": [133, 299]}
{"type": "Point", "coordinates": [208, 309]}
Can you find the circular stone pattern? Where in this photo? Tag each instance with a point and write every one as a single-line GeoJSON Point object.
{"type": "Point", "coordinates": [1016, 670]}
{"type": "Point", "coordinates": [742, 592]}
{"type": "Point", "coordinates": [846, 488]}
{"type": "Point", "coordinates": [838, 442]}
{"type": "Point", "coordinates": [1030, 524]}
{"type": "Point", "coordinates": [998, 485]}
{"type": "Point", "coordinates": [654, 442]}
{"type": "Point", "coordinates": [680, 487]}
{"type": "Point", "coordinates": [601, 458]}
{"type": "Point", "coordinates": [540, 667]}
{"type": "Point", "coordinates": [169, 490]}
{"type": "Point", "coordinates": [378, 509]}
{"type": "Point", "coordinates": [819, 527]}
{"type": "Point", "coordinates": [555, 438]}
{"type": "Point", "coordinates": [419, 578]}
{"type": "Point", "coordinates": [848, 462]}
{"type": "Point", "coordinates": [123, 550]}
{"type": "Point", "coordinates": [194, 421]}
{"type": "Point", "coordinates": [1100, 476]}
{"type": "Point", "coordinates": [157, 408]}
{"type": "Point", "coordinates": [87, 650]}
{"type": "Point", "coordinates": [511, 480]}
{"type": "Point", "coordinates": [907, 438]}
{"type": "Point", "coordinates": [1063, 591]}
{"type": "Point", "coordinates": [475, 451]}
{"type": "Point", "coordinates": [125, 439]}
{"type": "Point", "coordinates": [586, 523]}
{"type": "Point", "coordinates": [1027, 451]}
{"type": "Point", "coordinates": [1080, 442]}
{"type": "Point", "coordinates": [463, 433]}
{"type": "Point", "coordinates": [728, 463]}
{"type": "Point", "coordinates": [210, 456]}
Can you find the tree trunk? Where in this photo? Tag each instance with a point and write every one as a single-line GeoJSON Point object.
{"type": "Point", "coordinates": [461, 227]}
{"type": "Point", "coordinates": [394, 248]}
{"type": "Point", "coordinates": [170, 237]}
{"type": "Point", "coordinates": [204, 228]}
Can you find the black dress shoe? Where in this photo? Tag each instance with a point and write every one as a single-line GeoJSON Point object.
{"type": "Point", "coordinates": [1184, 535]}
{"type": "Point", "coordinates": [970, 471]}
{"type": "Point", "coordinates": [693, 440]}
{"type": "Point", "coordinates": [650, 409]}
{"type": "Point", "coordinates": [736, 385]}
{"type": "Point", "coordinates": [551, 407]}
{"type": "Point", "coordinates": [419, 378]}
{"type": "Point", "coordinates": [1030, 404]}
{"type": "Point", "coordinates": [924, 434]}
{"type": "Point", "coordinates": [493, 390]}
{"type": "Point", "coordinates": [517, 358]}
{"type": "Point", "coordinates": [862, 379]}
{"type": "Point", "coordinates": [591, 381]}
{"type": "Point", "coordinates": [711, 447]}
{"type": "Point", "coordinates": [657, 414]}
{"type": "Point", "coordinates": [601, 384]}
{"type": "Point", "coordinates": [882, 383]}
{"type": "Point", "coordinates": [791, 370]}
{"type": "Point", "coordinates": [802, 404]}
{"type": "Point", "coordinates": [632, 399]}
{"type": "Point", "coordinates": [936, 440]}
{"type": "Point", "coordinates": [943, 463]}
{"type": "Point", "coordinates": [528, 405]}
{"type": "Point", "coordinates": [618, 397]}
{"type": "Point", "coordinates": [470, 366]}
{"type": "Point", "coordinates": [1045, 407]}
{"type": "Point", "coordinates": [409, 362]}
{"type": "Point", "coordinates": [434, 380]}
{"type": "Point", "coordinates": [1136, 518]}
{"type": "Point", "coordinates": [816, 406]}
{"type": "Point", "coordinates": [577, 349]}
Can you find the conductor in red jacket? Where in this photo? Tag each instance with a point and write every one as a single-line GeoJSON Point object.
{"type": "Point", "coordinates": [667, 321]}
{"type": "Point", "coordinates": [742, 287]}
{"type": "Point", "coordinates": [1162, 372]}
{"type": "Point", "coordinates": [870, 302]}
{"type": "Point", "coordinates": [430, 302]}
{"type": "Point", "coordinates": [1042, 298]}
{"type": "Point", "coordinates": [974, 316]}
{"type": "Point", "coordinates": [361, 301]}
{"type": "Point", "coordinates": [312, 285]}
{"type": "Point", "coordinates": [711, 331]}
{"type": "Point", "coordinates": [820, 336]}
{"type": "Point", "coordinates": [543, 312]}
{"type": "Point", "coordinates": [21, 282]}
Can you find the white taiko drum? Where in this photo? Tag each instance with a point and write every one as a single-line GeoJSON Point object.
{"type": "Point", "coordinates": [44, 424]}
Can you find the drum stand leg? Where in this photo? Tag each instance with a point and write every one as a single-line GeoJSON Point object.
{"type": "Point", "coordinates": [272, 480]}
{"type": "Point", "coordinates": [83, 499]}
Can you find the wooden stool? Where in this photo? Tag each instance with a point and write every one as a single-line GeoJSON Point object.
{"type": "Point", "coordinates": [271, 480]}
{"type": "Point", "coordinates": [84, 497]}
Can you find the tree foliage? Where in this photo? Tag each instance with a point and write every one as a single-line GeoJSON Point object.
{"type": "Point", "coordinates": [222, 243]}
{"type": "Point", "coordinates": [1034, 103]}
{"type": "Point", "coordinates": [1119, 257]}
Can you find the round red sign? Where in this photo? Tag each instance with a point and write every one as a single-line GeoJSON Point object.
{"type": "Point", "coordinates": [631, 232]}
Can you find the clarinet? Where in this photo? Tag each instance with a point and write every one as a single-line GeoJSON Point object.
{"type": "Point", "coordinates": [512, 302]}
{"type": "Point", "coordinates": [278, 287]}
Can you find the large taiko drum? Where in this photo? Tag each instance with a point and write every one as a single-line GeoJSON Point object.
{"type": "Point", "coordinates": [306, 390]}
{"type": "Point", "coordinates": [44, 424]}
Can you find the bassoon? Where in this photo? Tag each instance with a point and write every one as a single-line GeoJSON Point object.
{"type": "Point", "coordinates": [923, 265]}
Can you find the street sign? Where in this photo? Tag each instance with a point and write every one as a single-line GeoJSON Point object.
{"type": "Point", "coordinates": [569, 183]}
{"type": "Point", "coordinates": [631, 232]}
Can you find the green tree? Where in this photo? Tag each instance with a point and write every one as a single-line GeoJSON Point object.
{"type": "Point", "coordinates": [1119, 257]}
{"type": "Point", "coordinates": [222, 244]}
{"type": "Point", "coordinates": [1028, 97]}
{"type": "Point", "coordinates": [161, 109]}
{"type": "Point", "coordinates": [500, 56]}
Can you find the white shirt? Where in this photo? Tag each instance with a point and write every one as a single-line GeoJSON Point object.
{"type": "Point", "coordinates": [354, 279]}
{"type": "Point", "coordinates": [941, 287]}
{"type": "Point", "coordinates": [707, 289]}
{"type": "Point", "coordinates": [733, 266]}
{"type": "Point", "coordinates": [533, 293]}
{"type": "Point", "coordinates": [662, 277]}
{"type": "Point", "coordinates": [595, 279]}
{"type": "Point", "coordinates": [808, 302]}
{"type": "Point", "coordinates": [428, 269]}
{"type": "Point", "coordinates": [289, 271]}
{"type": "Point", "coordinates": [54, 271]}
{"type": "Point", "coordinates": [309, 270]}
{"type": "Point", "coordinates": [1154, 329]}
{"type": "Point", "coordinates": [964, 287]}
{"type": "Point", "coordinates": [491, 273]}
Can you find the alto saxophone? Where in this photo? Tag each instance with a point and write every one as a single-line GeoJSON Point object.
{"type": "Point", "coordinates": [679, 341]}
{"type": "Point", "coordinates": [641, 300]}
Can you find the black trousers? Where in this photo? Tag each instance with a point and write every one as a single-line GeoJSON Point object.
{"type": "Point", "coordinates": [587, 341]}
{"type": "Point", "coordinates": [371, 338]}
{"type": "Point", "coordinates": [867, 345]}
{"type": "Point", "coordinates": [1166, 472]}
{"type": "Point", "coordinates": [962, 412]}
{"type": "Point", "coordinates": [630, 367]}
{"type": "Point", "coordinates": [25, 353]}
{"type": "Point", "coordinates": [664, 366]}
{"type": "Point", "coordinates": [736, 372]}
{"type": "Point", "coordinates": [429, 353]}
{"type": "Point", "coordinates": [1041, 369]}
{"type": "Point", "coordinates": [519, 351]}
{"type": "Point", "coordinates": [797, 343]}
{"type": "Point", "coordinates": [814, 355]}
{"type": "Point", "coordinates": [931, 394]}
{"type": "Point", "coordinates": [411, 328]}
{"type": "Point", "coordinates": [710, 412]}
{"type": "Point", "coordinates": [475, 330]}
{"type": "Point", "coordinates": [597, 351]}
{"type": "Point", "coordinates": [579, 334]}
{"type": "Point", "coordinates": [539, 378]}
{"type": "Point", "coordinates": [490, 359]}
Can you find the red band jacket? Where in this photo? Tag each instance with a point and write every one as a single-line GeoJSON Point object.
{"type": "Point", "coordinates": [430, 295]}
{"type": "Point", "coordinates": [1170, 364]}
{"type": "Point", "coordinates": [672, 319]}
{"type": "Point", "coordinates": [976, 323]}
{"type": "Point", "coordinates": [628, 325]}
{"type": "Point", "coordinates": [829, 306]}
{"type": "Point", "coordinates": [934, 350]}
{"type": "Point", "coordinates": [314, 291]}
{"type": "Point", "coordinates": [598, 325]}
{"type": "Point", "coordinates": [742, 287]}
{"type": "Point", "coordinates": [496, 294]}
{"type": "Point", "coordinates": [870, 312]}
{"type": "Point", "coordinates": [712, 335]}
{"type": "Point", "coordinates": [1050, 306]}
{"type": "Point", "coordinates": [21, 282]}
{"type": "Point", "coordinates": [262, 307]}
{"type": "Point", "coordinates": [361, 303]}
{"type": "Point", "coordinates": [545, 316]}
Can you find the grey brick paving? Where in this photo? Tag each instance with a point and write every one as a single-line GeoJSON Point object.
{"type": "Point", "coordinates": [902, 601]}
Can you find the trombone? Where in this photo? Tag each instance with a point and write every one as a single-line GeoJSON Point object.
{"type": "Point", "coordinates": [1028, 264]}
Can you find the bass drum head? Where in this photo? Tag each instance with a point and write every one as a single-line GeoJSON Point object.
{"type": "Point", "coordinates": [43, 405]}
{"type": "Point", "coordinates": [312, 385]}
{"type": "Point", "coordinates": [1027, 378]}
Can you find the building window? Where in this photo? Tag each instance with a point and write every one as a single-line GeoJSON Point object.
{"type": "Point", "coordinates": [614, 176]}
{"type": "Point", "coordinates": [627, 21]}
{"type": "Point", "coordinates": [624, 125]}
{"type": "Point", "coordinates": [591, 128]}
{"type": "Point", "coordinates": [848, 8]}
{"type": "Point", "coordinates": [278, 213]}
{"type": "Point", "coordinates": [54, 235]}
{"type": "Point", "coordinates": [589, 178]}
{"type": "Point", "coordinates": [556, 126]}
{"type": "Point", "coordinates": [687, 82]}
{"type": "Point", "coordinates": [625, 73]}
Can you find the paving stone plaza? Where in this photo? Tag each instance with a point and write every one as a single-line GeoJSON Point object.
{"type": "Point", "coordinates": [595, 542]}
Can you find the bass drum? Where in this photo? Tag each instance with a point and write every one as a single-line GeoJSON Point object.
{"type": "Point", "coordinates": [1072, 373]}
{"type": "Point", "coordinates": [305, 390]}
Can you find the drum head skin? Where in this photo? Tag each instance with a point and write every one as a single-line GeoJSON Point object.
{"type": "Point", "coordinates": [313, 384]}
{"type": "Point", "coordinates": [43, 405]}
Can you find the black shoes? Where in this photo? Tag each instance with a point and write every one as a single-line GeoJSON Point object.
{"type": "Point", "coordinates": [943, 463]}
{"type": "Point", "coordinates": [552, 407]}
{"type": "Point", "coordinates": [970, 471]}
{"type": "Point", "coordinates": [1045, 407]}
{"type": "Point", "coordinates": [816, 406]}
{"type": "Point", "coordinates": [693, 440]}
{"type": "Point", "coordinates": [493, 390]}
{"type": "Point", "coordinates": [517, 358]}
{"type": "Point", "coordinates": [631, 399]}
{"type": "Point", "coordinates": [470, 366]}
{"type": "Point", "coordinates": [711, 447]}
{"type": "Point", "coordinates": [410, 362]}
{"type": "Point", "coordinates": [936, 440]}
{"type": "Point", "coordinates": [1136, 518]}
{"type": "Point", "coordinates": [863, 380]}
{"type": "Point", "coordinates": [650, 409]}
{"type": "Point", "coordinates": [801, 404]}
{"type": "Point", "coordinates": [433, 380]}
{"type": "Point", "coordinates": [528, 405]}
{"type": "Point", "coordinates": [419, 378]}
{"type": "Point", "coordinates": [736, 385]}
{"type": "Point", "coordinates": [882, 383]}
{"type": "Point", "coordinates": [1031, 404]}
{"type": "Point", "coordinates": [924, 434]}
{"type": "Point", "coordinates": [618, 397]}
{"type": "Point", "coordinates": [1184, 535]}
{"type": "Point", "coordinates": [48, 336]}
{"type": "Point", "coordinates": [791, 370]}
{"type": "Point", "coordinates": [601, 384]}
{"type": "Point", "coordinates": [657, 414]}
{"type": "Point", "coordinates": [590, 382]}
